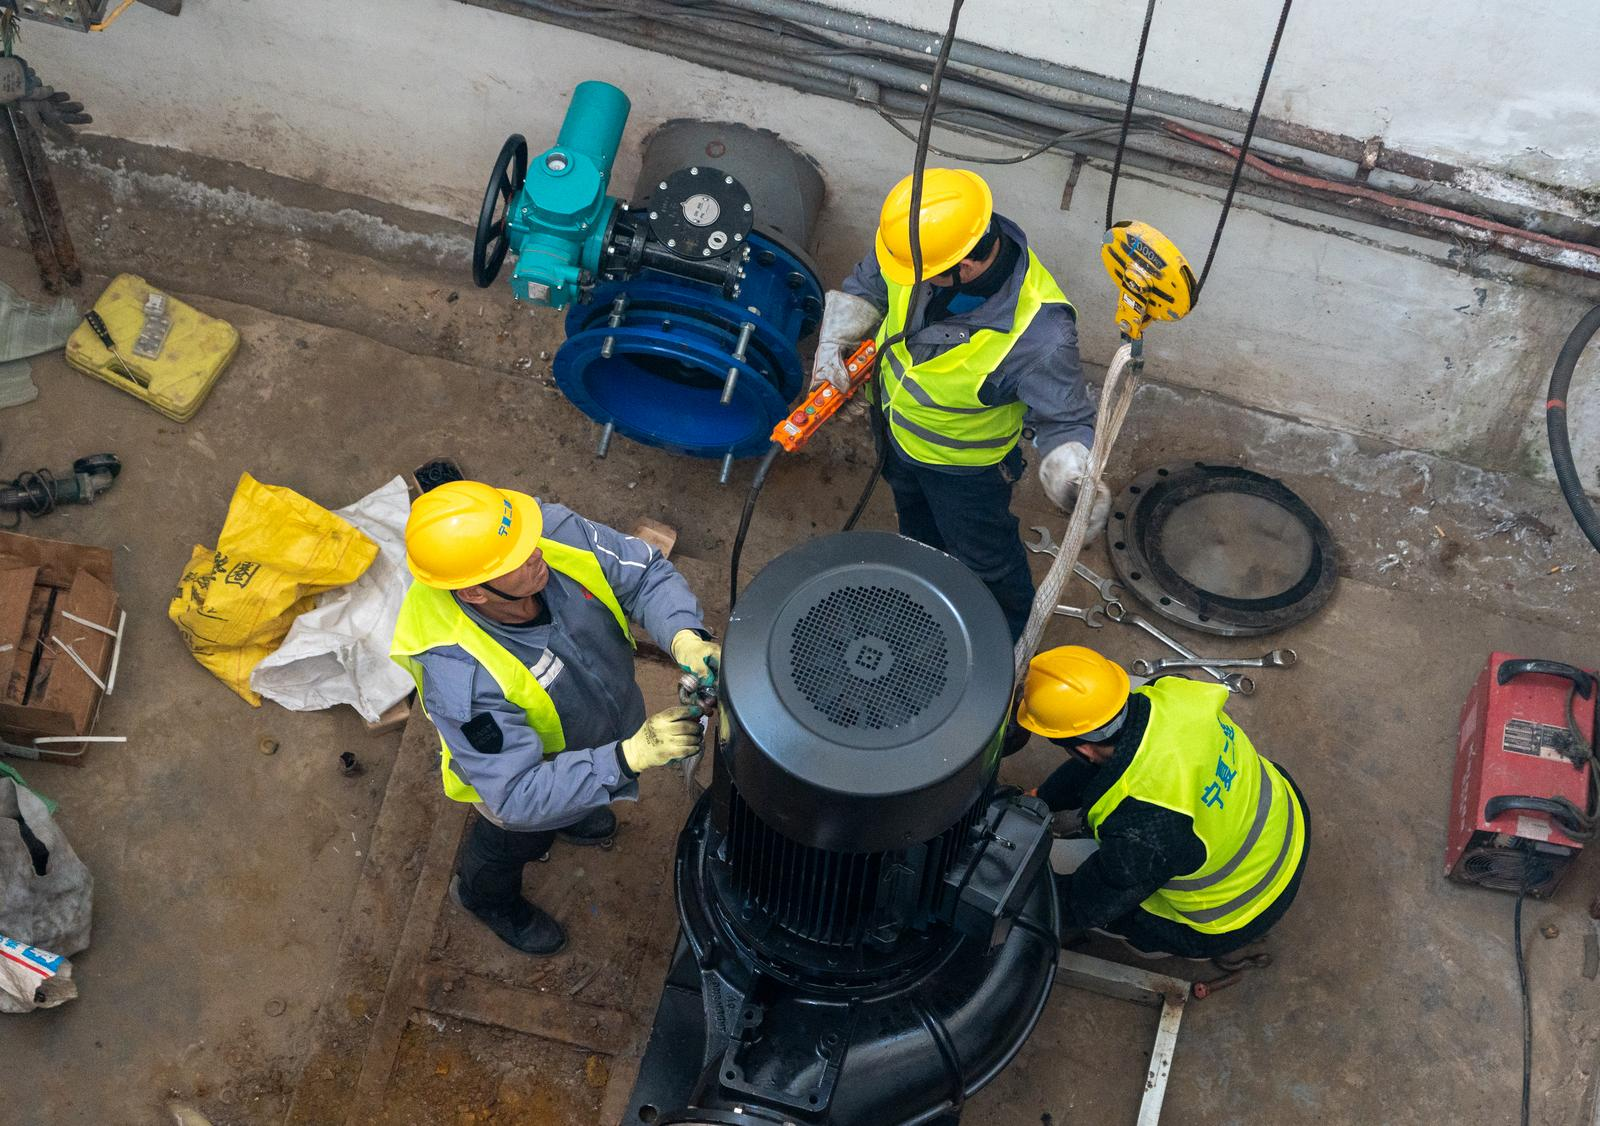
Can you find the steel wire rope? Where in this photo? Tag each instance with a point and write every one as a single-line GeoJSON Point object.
{"type": "Point", "coordinates": [1243, 152]}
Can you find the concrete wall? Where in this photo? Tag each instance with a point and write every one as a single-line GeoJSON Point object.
{"type": "Point", "coordinates": [1474, 82]}
{"type": "Point", "coordinates": [1372, 332]}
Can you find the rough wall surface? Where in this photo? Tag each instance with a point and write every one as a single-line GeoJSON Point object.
{"type": "Point", "coordinates": [1410, 340]}
{"type": "Point", "coordinates": [1472, 82]}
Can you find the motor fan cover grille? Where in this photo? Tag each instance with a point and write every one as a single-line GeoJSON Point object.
{"type": "Point", "coordinates": [869, 657]}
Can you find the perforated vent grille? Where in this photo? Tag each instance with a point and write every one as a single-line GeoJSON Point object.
{"type": "Point", "coordinates": [869, 657]}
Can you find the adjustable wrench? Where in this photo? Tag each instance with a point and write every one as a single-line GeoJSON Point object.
{"type": "Point", "coordinates": [1236, 682]}
{"type": "Point", "coordinates": [1277, 659]}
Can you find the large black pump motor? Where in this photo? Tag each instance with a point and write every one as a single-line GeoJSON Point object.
{"type": "Point", "coordinates": [868, 928]}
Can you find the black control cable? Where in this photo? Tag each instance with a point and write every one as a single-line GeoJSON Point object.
{"type": "Point", "coordinates": [880, 422]}
{"type": "Point", "coordinates": [1555, 424]}
{"type": "Point", "coordinates": [1244, 145]}
{"type": "Point", "coordinates": [1527, 1003]}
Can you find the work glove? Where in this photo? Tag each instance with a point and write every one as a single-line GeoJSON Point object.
{"type": "Point", "coordinates": [665, 737]}
{"type": "Point", "coordinates": [697, 656]}
{"type": "Point", "coordinates": [847, 320]}
{"type": "Point", "coordinates": [1060, 472]}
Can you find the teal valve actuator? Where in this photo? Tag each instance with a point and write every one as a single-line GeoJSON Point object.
{"type": "Point", "coordinates": [683, 316]}
{"type": "Point", "coordinates": [554, 212]}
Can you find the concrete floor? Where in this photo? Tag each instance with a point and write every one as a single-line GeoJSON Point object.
{"type": "Point", "coordinates": [225, 878]}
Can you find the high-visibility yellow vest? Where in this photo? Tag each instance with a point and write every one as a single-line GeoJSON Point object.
{"type": "Point", "coordinates": [1195, 761]}
{"type": "Point", "coordinates": [431, 618]}
{"type": "Point", "coordinates": [933, 407]}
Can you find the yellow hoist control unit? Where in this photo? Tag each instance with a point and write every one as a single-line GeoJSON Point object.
{"type": "Point", "coordinates": [1154, 282]}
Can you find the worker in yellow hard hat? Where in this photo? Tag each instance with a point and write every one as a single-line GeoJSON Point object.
{"type": "Point", "coordinates": [516, 633]}
{"type": "Point", "coordinates": [1198, 841]}
{"type": "Point", "coordinates": [990, 355]}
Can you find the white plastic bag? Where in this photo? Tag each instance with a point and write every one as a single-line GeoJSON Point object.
{"type": "Point", "coordinates": [31, 978]}
{"type": "Point", "coordinates": [338, 652]}
{"type": "Point", "coordinates": [46, 893]}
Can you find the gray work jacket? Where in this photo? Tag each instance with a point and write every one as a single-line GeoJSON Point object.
{"type": "Point", "coordinates": [586, 665]}
{"type": "Point", "coordinates": [1042, 370]}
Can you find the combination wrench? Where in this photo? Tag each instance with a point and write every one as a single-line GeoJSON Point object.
{"type": "Point", "coordinates": [1092, 616]}
{"type": "Point", "coordinates": [1236, 682]}
{"type": "Point", "coordinates": [1110, 593]}
{"type": "Point", "coordinates": [1277, 659]}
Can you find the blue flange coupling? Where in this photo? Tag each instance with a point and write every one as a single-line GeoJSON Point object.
{"type": "Point", "coordinates": [654, 357]}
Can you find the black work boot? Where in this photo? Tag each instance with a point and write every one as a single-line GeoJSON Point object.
{"type": "Point", "coordinates": [522, 925]}
{"type": "Point", "coordinates": [598, 827]}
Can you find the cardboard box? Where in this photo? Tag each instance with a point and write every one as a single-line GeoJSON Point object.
{"type": "Point", "coordinates": [43, 691]}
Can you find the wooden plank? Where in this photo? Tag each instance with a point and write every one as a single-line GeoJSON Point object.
{"type": "Point", "coordinates": [394, 718]}
{"type": "Point", "coordinates": [400, 993]}
{"type": "Point", "coordinates": [398, 853]}
{"type": "Point", "coordinates": [456, 993]}
{"type": "Point", "coordinates": [660, 536]}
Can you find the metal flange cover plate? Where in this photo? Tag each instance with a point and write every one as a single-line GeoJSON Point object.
{"type": "Point", "coordinates": [1221, 549]}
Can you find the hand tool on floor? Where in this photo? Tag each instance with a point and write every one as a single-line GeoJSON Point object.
{"type": "Point", "coordinates": [27, 108]}
{"type": "Point", "coordinates": [1277, 659]}
{"type": "Point", "coordinates": [1204, 989]}
{"type": "Point", "coordinates": [1109, 591]}
{"type": "Point", "coordinates": [96, 322]}
{"type": "Point", "coordinates": [38, 491]}
{"type": "Point", "coordinates": [1236, 682]}
{"type": "Point", "coordinates": [824, 401]}
{"type": "Point", "coordinates": [1092, 616]}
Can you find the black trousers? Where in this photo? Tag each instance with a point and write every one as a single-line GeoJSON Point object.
{"type": "Point", "coordinates": [969, 516]}
{"type": "Point", "coordinates": [491, 863]}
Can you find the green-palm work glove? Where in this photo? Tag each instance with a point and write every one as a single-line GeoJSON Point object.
{"type": "Point", "coordinates": [696, 655]}
{"type": "Point", "coordinates": [665, 737]}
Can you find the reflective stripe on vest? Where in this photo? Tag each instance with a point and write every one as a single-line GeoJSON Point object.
{"type": "Point", "coordinates": [1194, 761]}
{"type": "Point", "coordinates": [933, 407]}
{"type": "Point", "coordinates": [431, 618]}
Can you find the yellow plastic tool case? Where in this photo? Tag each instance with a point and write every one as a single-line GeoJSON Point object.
{"type": "Point", "coordinates": [193, 353]}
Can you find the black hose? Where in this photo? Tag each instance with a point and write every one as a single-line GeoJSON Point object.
{"type": "Point", "coordinates": [880, 418]}
{"type": "Point", "coordinates": [880, 437]}
{"type": "Point", "coordinates": [1527, 1004]}
{"type": "Point", "coordinates": [756, 482]}
{"type": "Point", "coordinates": [1555, 423]}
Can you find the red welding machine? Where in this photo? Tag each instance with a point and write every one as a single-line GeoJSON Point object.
{"type": "Point", "coordinates": [1520, 808]}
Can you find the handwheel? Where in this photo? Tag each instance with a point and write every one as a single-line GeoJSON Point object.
{"type": "Point", "coordinates": [489, 248]}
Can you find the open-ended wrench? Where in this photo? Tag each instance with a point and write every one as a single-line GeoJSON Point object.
{"type": "Point", "coordinates": [1236, 682]}
{"type": "Point", "coordinates": [1277, 659]}
{"type": "Point", "coordinates": [1092, 616]}
{"type": "Point", "coordinates": [1109, 591]}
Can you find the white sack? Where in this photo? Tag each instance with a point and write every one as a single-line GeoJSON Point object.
{"type": "Point", "coordinates": [338, 653]}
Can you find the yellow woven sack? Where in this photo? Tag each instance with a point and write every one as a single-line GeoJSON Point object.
{"type": "Point", "coordinates": [196, 350]}
{"type": "Point", "coordinates": [278, 551]}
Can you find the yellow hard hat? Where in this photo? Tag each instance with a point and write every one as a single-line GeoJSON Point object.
{"type": "Point", "coordinates": [465, 532]}
{"type": "Point", "coordinates": [955, 213]}
{"type": "Point", "coordinates": [1071, 690]}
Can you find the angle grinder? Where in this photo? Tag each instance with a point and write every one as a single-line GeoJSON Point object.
{"type": "Point", "coordinates": [38, 491]}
